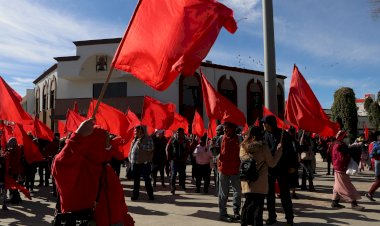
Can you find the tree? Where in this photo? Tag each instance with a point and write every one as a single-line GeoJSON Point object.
{"type": "Point", "coordinates": [344, 107]}
{"type": "Point", "coordinates": [374, 114]}
{"type": "Point", "coordinates": [367, 103]}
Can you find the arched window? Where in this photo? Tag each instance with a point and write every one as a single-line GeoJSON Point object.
{"type": "Point", "coordinates": [255, 99]}
{"type": "Point", "coordinates": [280, 101]}
{"type": "Point", "coordinates": [37, 101]}
{"type": "Point", "coordinates": [227, 87]}
{"type": "Point", "coordinates": [190, 96]}
{"type": "Point", "coordinates": [44, 96]}
{"type": "Point", "coordinates": [52, 93]}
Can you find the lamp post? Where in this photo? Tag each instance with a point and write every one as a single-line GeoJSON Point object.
{"type": "Point", "coordinates": [270, 78]}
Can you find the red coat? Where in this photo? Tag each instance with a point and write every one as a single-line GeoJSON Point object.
{"type": "Point", "coordinates": [77, 170]}
{"type": "Point", "coordinates": [229, 160]}
{"type": "Point", "coordinates": [340, 157]}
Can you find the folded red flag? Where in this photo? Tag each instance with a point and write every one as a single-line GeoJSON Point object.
{"type": "Point", "coordinates": [169, 37]}
{"type": "Point", "coordinates": [10, 183]}
{"type": "Point", "coordinates": [304, 110]}
{"type": "Point", "coordinates": [219, 107]}
{"type": "Point", "coordinates": [73, 120]}
{"type": "Point", "coordinates": [31, 150]}
{"type": "Point", "coordinates": [42, 131]}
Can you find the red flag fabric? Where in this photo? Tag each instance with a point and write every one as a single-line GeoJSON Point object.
{"type": "Point", "coordinates": [61, 129]}
{"type": "Point", "coordinates": [167, 37]}
{"type": "Point", "coordinates": [219, 107]}
{"type": "Point", "coordinates": [366, 132]}
{"type": "Point", "coordinates": [280, 123]}
{"type": "Point", "coordinates": [42, 131]}
{"type": "Point", "coordinates": [31, 151]}
{"type": "Point", "coordinates": [73, 120]}
{"type": "Point", "coordinates": [10, 107]}
{"type": "Point", "coordinates": [257, 122]}
{"type": "Point", "coordinates": [10, 183]}
{"type": "Point", "coordinates": [133, 119]}
{"type": "Point", "coordinates": [179, 122]}
{"type": "Point", "coordinates": [75, 108]}
{"type": "Point", "coordinates": [157, 115]}
{"type": "Point", "coordinates": [109, 118]}
{"type": "Point", "coordinates": [198, 126]}
{"type": "Point", "coordinates": [211, 131]}
{"type": "Point", "coordinates": [304, 110]}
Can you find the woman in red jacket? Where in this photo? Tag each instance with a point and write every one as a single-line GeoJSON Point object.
{"type": "Point", "coordinates": [343, 188]}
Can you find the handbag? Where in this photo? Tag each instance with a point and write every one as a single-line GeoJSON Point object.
{"type": "Point", "coordinates": [78, 218]}
{"type": "Point", "coordinates": [352, 167]}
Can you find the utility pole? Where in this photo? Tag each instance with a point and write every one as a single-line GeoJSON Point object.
{"type": "Point", "coordinates": [270, 77]}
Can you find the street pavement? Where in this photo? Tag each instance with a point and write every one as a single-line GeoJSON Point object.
{"type": "Point", "coordinates": [187, 208]}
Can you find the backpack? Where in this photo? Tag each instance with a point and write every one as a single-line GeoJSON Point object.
{"type": "Point", "coordinates": [249, 171]}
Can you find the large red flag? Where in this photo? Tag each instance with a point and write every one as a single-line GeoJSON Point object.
{"type": "Point", "coordinates": [61, 129]}
{"type": "Point", "coordinates": [169, 37]}
{"type": "Point", "coordinates": [10, 107]}
{"type": "Point", "coordinates": [157, 115]}
{"type": "Point", "coordinates": [304, 110]}
{"type": "Point", "coordinates": [42, 131]}
{"type": "Point", "coordinates": [280, 123]}
{"type": "Point", "coordinates": [109, 118]}
{"type": "Point", "coordinates": [211, 130]}
{"type": "Point", "coordinates": [73, 120]}
{"type": "Point", "coordinates": [219, 107]}
{"type": "Point", "coordinates": [179, 122]}
{"type": "Point", "coordinates": [198, 127]}
{"type": "Point", "coordinates": [31, 151]}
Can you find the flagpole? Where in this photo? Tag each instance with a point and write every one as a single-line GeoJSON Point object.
{"type": "Point", "coordinates": [104, 88]}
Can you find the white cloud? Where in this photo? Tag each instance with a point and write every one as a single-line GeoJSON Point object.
{"type": "Point", "coordinates": [244, 9]}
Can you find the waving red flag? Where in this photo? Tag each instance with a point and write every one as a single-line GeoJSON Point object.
{"type": "Point", "coordinates": [10, 183]}
{"type": "Point", "coordinates": [304, 110]}
{"type": "Point", "coordinates": [169, 37]}
{"type": "Point", "coordinates": [157, 115]}
{"type": "Point", "coordinates": [280, 123]}
{"type": "Point", "coordinates": [109, 118]}
{"type": "Point", "coordinates": [219, 107]}
{"type": "Point", "coordinates": [211, 130]}
{"type": "Point", "coordinates": [31, 151]}
{"type": "Point", "coordinates": [42, 131]}
{"type": "Point", "coordinates": [257, 122]}
{"type": "Point", "coordinates": [10, 107]}
{"type": "Point", "coordinates": [73, 120]}
{"type": "Point", "coordinates": [61, 128]}
{"type": "Point", "coordinates": [198, 126]}
{"type": "Point", "coordinates": [133, 119]}
{"type": "Point", "coordinates": [179, 122]}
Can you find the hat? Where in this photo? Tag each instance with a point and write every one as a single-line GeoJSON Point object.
{"type": "Point", "coordinates": [270, 120]}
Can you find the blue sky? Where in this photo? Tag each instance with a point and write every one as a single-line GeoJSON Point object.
{"type": "Point", "coordinates": [334, 43]}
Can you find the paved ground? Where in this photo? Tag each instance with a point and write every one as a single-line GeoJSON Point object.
{"type": "Point", "coordinates": [189, 208]}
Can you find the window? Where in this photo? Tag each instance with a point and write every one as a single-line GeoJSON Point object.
{"type": "Point", "coordinates": [227, 87]}
{"type": "Point", "coordinates": [254, 101]}
{"type": "Point", "coordinates": [101, 63]}
{"type": "Point", "coordinates": [190, 96]}
{"type": "Point", "coordinates": [117, 89]}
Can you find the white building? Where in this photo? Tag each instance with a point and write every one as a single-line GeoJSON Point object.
{"type": "Point", "coordinates": [360, 104]}
{"type": "Point", "coordinates": [80, 78]}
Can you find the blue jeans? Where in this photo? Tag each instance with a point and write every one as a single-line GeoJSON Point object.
{"type": "Point", "coordinates": [224, 184]}
{"type": "Point", "coordinates": [180, 168]}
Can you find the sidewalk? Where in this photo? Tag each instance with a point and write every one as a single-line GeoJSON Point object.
{"type": "Point", "coordinates": [190, 208]}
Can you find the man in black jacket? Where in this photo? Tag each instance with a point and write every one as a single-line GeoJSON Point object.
{"type": "Point", "coordinates": [287, 164]}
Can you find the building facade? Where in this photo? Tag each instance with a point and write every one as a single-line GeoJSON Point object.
{"type": "Point", "coordinates": [80, 78]}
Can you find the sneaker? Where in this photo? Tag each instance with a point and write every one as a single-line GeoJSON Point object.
{"type": "Point", "coordinates": [4, 207]}
{"type": "Point", "coordinates": [370, 197]}
{"type": "Point", "coordinates": [172, 191]}
{"type": "Point", "coordinates": [236, 217]}
{"type": "Point", "coordinates": [225, 218]}
{"type": "Point", "coordinates": [151, 197]}
{"type": "Point", "coordinates": [134, 198]}
{"type": "Point", "coordinates": [337, 205]}
{"type": "Point", "coordinates": [198, 190]}
{"type": "Point", "coordinates": [294, 196]}
{"type": "Point", "coordinates": [270, 221]}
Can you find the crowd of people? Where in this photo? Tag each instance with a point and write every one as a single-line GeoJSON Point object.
{"type": "Point", "coordinates": [279, 156]}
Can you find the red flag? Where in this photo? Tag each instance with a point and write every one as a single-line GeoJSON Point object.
{"type": "Point", "coordinates": [42, 131]}
{"type": "Point", "coordinates": [166, 38]}
{"type": "Point", "coordinates": [61, 128]}
{"type": "Point", "coordinates": [133, 119]}
{"type": "Point", "coordinates": [109, 118]}
{"type": "Point", "coordinates": [31, 151]}
{"type": "Point", "coordinates": [157, 115]}
{"type": "Point", "coordinates": [179, 122]}
{"type": "Point", "coordinates": [304, 110]}
{"type": "Point", "coordinates": [73, 120]}
{"type": "Point", "coordinates": [280, 124]}
{"type": "Point", "coordinates": [219, 107]}
{"type": "Point", "coordinates": [366, 132]}
{"type": "Point", "coordinates": [10, 107]}
{"type": "Point", "coordinates": [198, 126]}
{"type": "Point", "coordinates": [10, 183]}
{"type": "Point", "coordinates": [257, 122]}
{"type": "Point", "coordinates": [211, 131]}
{"type": "Point", "coordinates": [75, 108]}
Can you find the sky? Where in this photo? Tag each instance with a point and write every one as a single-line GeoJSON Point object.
{"type": "Point", "coordinates": [334, 43]}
